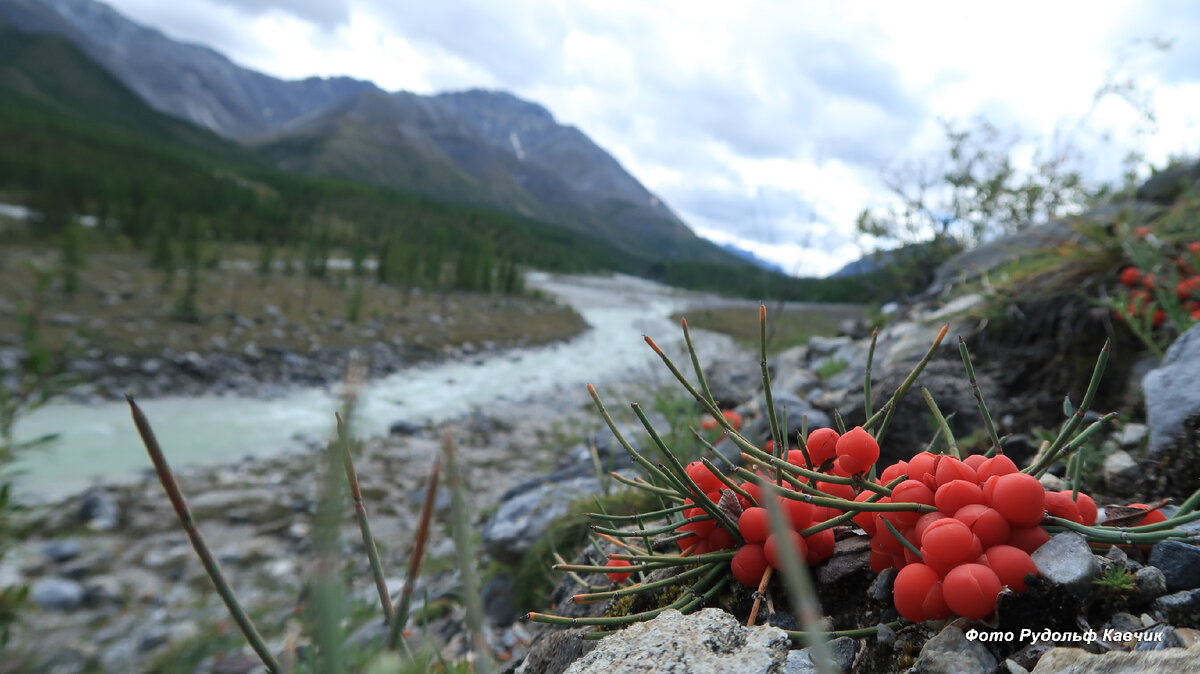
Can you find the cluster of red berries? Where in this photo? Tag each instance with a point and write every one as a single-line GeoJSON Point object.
{"type": "Point", "coordinates": [980, 538]}
{"type": "Point", "coordinates": [1142, 285]}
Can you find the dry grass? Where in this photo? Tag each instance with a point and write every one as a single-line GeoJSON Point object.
{"type": "Point", "coordinates": [790, 326]}
{"type": "Point", "coordinates": [123, 307]}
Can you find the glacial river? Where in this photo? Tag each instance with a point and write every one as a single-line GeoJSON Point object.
{"type": "Point", "coordinates": [98, 442]}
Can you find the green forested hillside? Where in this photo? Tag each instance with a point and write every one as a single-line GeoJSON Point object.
{"type": "Point", "coordinates": [74, 140]}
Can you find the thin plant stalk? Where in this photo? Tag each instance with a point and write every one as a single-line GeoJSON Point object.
{"type": "Point", "coordinates": [951, 443]}
{"type": "Point", "coordinates": [883, 416]}
{"type": "Point", "coordinates": [780, 441]}
{"type": "Point", "coordinates": [802, 595]}
{"type": "Point", "coordinates": [867, 402]}
{"type": "Point", "coordinates": [464, 550]}
{"type": "Point", "coordinates": [364, 525]}
{"type": "Point", "coordinates": [211, 567]}
{"type": "Point", "coordinates": [1072, 424]}
{"type": "Point", "coordinates": [687, 338]}
{"type": "Point", "coordinates": [396, 634]}
{"type": "Point", "coordinates": [983, 408]}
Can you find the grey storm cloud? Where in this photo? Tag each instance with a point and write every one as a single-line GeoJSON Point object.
{"type": "Point", "coordinates": [517, 48]}
{"type": "Point", "coordinates": [324, 13]}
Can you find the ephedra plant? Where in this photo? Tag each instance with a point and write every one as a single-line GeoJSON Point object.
{"type": "Point", "coordinates": [960, 529]}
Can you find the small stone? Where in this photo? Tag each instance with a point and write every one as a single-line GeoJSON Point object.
{"type": "Point", "coordinates": [99, 510]}
{"type": "Point", "coordinates": [950, 652]}
{"type": "Point", "coordinates": [57, 593]}
{"type": "Point", "coordinates": [710, 641]}
{"type": "Point", "coordinates": [1179, 562]}
{"type": "Point", "coordinates": [1052, 482]}
{"type": "Point", "coordinates": [1067, 560]}
{"type": "Point", "coordinates": [1119, 469]}
{"type": "Point", "coordinates": [1079, 661]}
{"type": "Point", "coordinates": [1151, 583]}
{"type": "Point", "coordinates": [881, 587]}
{"type": "Point", "coordinates": [1158, 638]}
{"type": "Point", "coordinates": [1179, 608]}
{"type": "Point", "coordinates": [62, 550]}
{"type": "Point", "coordinates": [1132, 435]}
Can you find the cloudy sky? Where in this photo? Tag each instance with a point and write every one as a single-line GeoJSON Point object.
{"type": "Point", "coordinates": [769, 124]}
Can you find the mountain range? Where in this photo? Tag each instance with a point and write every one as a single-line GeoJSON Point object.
{"type": "Point", "coordinates": [475, 148]}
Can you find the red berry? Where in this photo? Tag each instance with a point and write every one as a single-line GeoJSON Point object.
{"type": "Point", "coordinates": [866, 519]}
{"type": "Point", "coordinates": [924, 521]}
{"type": "Point", "coordinates": [720, 539]}
{"type": "Point", "coordinates": [703, 477]}
{"type": "Point", "coordinates": [1028, 539]}
{"type": "Point", "coordinates": [917, 593]}
{"type": "Point", "coordinates": [893, 471]}
{"type": "Point", "coordinates": [880, 561]}
{"type": "Point", "coordinates": [754, 524]}
{"type": "Point", "coordinates": [857, 450]}
{"type": "Point", "coordinates": [922, 465]}
{"type": "Point", "coordinates": [910, 491]}
{"type": "Point", "coordinates": [800, 514]}
{"type": "Point", "coordinates": [953, 495]}
{"type": "Point", "coordinates": [950, 469]}
{"type": "Point", "coordinates": [771, 549]}
{"type": "Point", "coordinates": [1087, 509]}
{"type": "Point", "coordinates": [988, 525]}
{"type": "Point", "coordinates": [974, 461]}
{"type": "Point", "coordinates": [1131, 277]}
{"type": "Point", "coordinates": [946, 542]}
{"type": "Point", "coordinates": [822, 445]}
{"type": "Point", "coordinates": [997, 465]}
{"type": "Point", "coordinates": [748, 564]}
{"type": "Point", "coordinates": [971, 590]}
{"type": "Point", "coordinates": [614, 576]}
{"type": "Point", "coordinates": [1010, 564]}
{"type": "Point", "coordinates": [1060, 504]}
{"type": "Point", "coordinates": [1020, 498]}
{"type": "Point", "coordinates": [820, 546]}
{"type": "Point", "coordinates": [1152, 517]}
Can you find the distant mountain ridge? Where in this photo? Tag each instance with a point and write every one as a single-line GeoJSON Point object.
{"type": "Point", "coordinates": [475, 147]}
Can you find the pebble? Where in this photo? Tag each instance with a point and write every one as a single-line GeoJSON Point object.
{"type": "Point", "coordinates": [950, 652]}
{"type": "Point", "coordinates": [1067, 560]}
{"type": "Point", "coordinates": [1179, 562]}
{"type": "Point", "coordinates": [57, 593]}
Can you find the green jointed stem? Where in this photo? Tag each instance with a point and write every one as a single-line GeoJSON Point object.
{"type": "Point", "coordinates": [679, 474]}
{"type": "Point", "coordinates": [714, 571]}
{"type": "Point", "coordinates": [635, 589]}
{"type": "Point", "coordinates": [465, 556]}
{"type": "Point", "coordinates": [1075, 475]}
{"type": "Point", "coordinates": [677, 560]}
{"type": "Point", "coordinates": [1110, 535]}
{"type": "Point", "coordinates": [646, 486]}
{"type": "Point", "coordinates": [1049, 457]}
{"type": "Point", "coordinates": [885, 413]}
{"type": "Point", "coordinates": [853, 634]}
{"type": "Point", "coordinates": [867, 402]}
{"type": "Point", "coordinates": [687, 338]}
{"type": "Point", "coordinates": [801, 593]}
{"type": "Point", "coordinates": [780, 441]}
{"type": "Point", "coordinates": [364, 526]}
{"type": "Point", "coordinates": [665, 529]}
{"type": "Point", "coordinates": [1189, 505]}
{"type": "Point", "coordinates": [730, 484]}
{"type": "Point", "coordinates": [211, 567]}
{"type": "Point", "coordinates": [983, 408]}
{"type": "Point", "coordinates": [1069, 427]}
{"type": "Point", "coordinates": [941, 421]}
{"type": "Point", "coordinates": [902, 540]}
{"type": "Point", "coordinates": [650, 469]}
{"type": "Point", "coordinates": [656, 515]}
